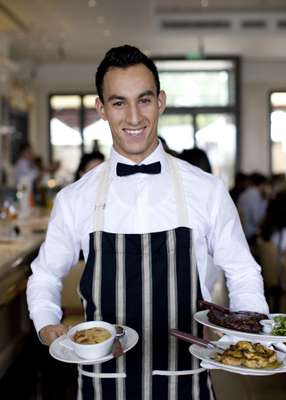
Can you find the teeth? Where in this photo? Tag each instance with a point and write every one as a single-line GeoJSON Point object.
{"type": "Point", "coordinates": [133, 131]}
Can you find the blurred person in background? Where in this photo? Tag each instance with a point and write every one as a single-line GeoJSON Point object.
{"type": "Point", "coordinates": [278, 183]}
{"type": "Point", "coordinates": [272, 252]}
{"type": "Point", "coordinates": [198, 158]}
{"type": "Point", "coordinates": [252, 204]}
{"type": "Point", "coordinates": [25, 165]}
{"type": "Point", "coordinates": [273, 227]}
{"type": "Point", "coordinates": [241, 182]}
{"type": "Point", "coordinates": [87, 162]}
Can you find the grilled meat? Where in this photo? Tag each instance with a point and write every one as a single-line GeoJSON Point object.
{"type": "Point", "coordinates": [245, 321]}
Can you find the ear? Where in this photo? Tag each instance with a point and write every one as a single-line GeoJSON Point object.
{"type": "Point", "coordinates": [162, 101]}
{"type": "Point", "coordinates": [100, 108]}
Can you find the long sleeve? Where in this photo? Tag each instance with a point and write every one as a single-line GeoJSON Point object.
{"type": "Point", "coordinates": [231, 252]}
{"type": "Point", "coordinates": [57, 255]}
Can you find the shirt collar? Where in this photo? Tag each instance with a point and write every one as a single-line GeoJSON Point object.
{"type": "Point", "coordinates": [157, 155]}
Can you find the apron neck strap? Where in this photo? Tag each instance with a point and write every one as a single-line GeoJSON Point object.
{"type": "Point", "coordinates": [101, 194]}
{"type": "Point", "coordinates": [180, 198]}
{"type": "Point", "coordinates": [104, 184]}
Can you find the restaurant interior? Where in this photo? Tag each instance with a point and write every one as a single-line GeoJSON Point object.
{"type": "Point", "coordinates": [222, 64]}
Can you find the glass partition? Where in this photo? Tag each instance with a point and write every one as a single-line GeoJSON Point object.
{"type": "Point", "coordinates": [177, 130]}
{"type": "Point", "coordinates": [216, 135]}
{"type": "Point", "coordinates": [65, 136]}
{"type": "Point", "coordinates": [96, 132]}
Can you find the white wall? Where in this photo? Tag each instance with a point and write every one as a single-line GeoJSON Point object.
{"type": "Point", "coordinates": [258, 78]}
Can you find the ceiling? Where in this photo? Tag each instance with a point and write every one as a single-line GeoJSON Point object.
{"type": "Point", "coordinates": [45, 31]}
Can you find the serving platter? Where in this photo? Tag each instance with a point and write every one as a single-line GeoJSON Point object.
{"type": "Point", "coordinates": [202, 318]}
{"type": "Point", "coordinates": [206, 354]}
{"type": "Point", "coordinates": [61, 352]}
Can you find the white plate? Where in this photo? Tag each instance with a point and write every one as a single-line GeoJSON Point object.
{"type": "Point", "coordinates": [62, 353]}
{"type": "Point", "coordinates": [205, 354]}
{"type": "Point", "coordinates": [202, 318]}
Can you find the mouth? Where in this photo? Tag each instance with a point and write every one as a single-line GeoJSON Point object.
{"type": "Point", "coordinates": [134, 132]}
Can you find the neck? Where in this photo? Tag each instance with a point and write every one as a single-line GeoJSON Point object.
{"type": "Point", "coordinates": [138, 158]}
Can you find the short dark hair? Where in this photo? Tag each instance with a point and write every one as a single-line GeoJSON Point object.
{"type": "Point", "coordinates": [85, 159]}
{"type": "Point", "coordinates": [123, 57]}
{"type": "Point", "coordinates": [258, 179]}
{"type": "Point", "coordinates": [197, 157]}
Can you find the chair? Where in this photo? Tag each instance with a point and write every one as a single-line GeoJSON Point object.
{"type": "Point", "coordinates": [71, 303]}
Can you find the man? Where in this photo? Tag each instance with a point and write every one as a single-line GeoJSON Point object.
{"type": "Point", "coordinates": [252, 205]}
{"type": "Point", "coordinates": [25, 166]}
{"type": "Point", "coordinates": [146, 223]}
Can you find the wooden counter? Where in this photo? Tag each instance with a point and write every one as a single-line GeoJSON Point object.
{"type": "Point", "coordinates": [15, 258]}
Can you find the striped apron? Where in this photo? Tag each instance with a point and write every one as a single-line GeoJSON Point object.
{"type": "Point", "coordinates": [148, 282]}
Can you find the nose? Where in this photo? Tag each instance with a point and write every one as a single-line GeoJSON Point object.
{"type": "Point", "coordinates": [133, 115]}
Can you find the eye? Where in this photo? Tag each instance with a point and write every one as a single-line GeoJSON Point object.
{"type": "Point", "coordinates": [118, 104]}
{"type": "Point", "coordinates": [145, 100]}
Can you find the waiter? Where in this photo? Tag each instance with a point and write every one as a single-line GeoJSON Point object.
{"type": "Point", "coordinates": [147, 223]}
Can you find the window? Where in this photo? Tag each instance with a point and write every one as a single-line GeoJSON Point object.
{"type": "Point", "coordinates": [75, 127]}
{"type": "Point", "coordinates": [202, 110]}
{"type": "Point", "coordinates": [278, 132]}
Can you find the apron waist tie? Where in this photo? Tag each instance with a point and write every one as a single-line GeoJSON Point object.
{"type": "Point", "coordinates": [155, 372]}
{"type": "Point", "coordinates": [178, 373]}
{"type": "Point", "coordinates": [100, 374]}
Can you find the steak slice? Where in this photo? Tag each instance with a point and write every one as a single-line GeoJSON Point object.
{"type": "Point", "coordinates": [244, 321]}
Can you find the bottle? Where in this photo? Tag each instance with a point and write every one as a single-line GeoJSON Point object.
{"type": "Point", "coordinates": [25, 196]}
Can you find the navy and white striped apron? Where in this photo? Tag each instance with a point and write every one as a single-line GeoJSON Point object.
{"type": "Point", "coordinates": [148, 282]}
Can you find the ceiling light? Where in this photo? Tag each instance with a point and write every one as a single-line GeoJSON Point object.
{"type": "Point", "coordinates": [91, 3]}
{"type": "Point", "coordinates": [204, 3]}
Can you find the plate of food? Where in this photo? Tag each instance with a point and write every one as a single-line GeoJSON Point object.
{"type": "Point", "coordinates": [242, 357]}
{"type": "Point", "coordinates": [66, 350]}
{"type": "Point", "coordinates": [243, 324]}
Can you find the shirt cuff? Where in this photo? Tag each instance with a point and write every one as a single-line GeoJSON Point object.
{"type": "Point", "coordinates": [44, 318]}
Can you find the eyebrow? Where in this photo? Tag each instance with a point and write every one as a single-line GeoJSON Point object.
{"type": "Point", "coordinates": [117, 97]}
{"type": "Point", "coordinates": [146, 93]}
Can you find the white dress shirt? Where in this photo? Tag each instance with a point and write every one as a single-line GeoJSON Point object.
{"type": "Point", "coordinates": [142, 203]}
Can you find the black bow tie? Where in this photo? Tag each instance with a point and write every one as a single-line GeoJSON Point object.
{"type": "Point", "coordinates": [126, 169]}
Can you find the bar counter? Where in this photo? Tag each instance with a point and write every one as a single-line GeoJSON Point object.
{"type": "Point", "coordinates": [16, 255]}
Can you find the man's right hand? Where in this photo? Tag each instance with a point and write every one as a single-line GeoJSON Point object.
{"type": "Point", "coordinates": [50, 332]}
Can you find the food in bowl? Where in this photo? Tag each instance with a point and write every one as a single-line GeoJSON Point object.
{"type": "Point", "coordinates": [249, 355]}
{"type": "Point", "coordinates": [94, 350]}
{"type": "Point", "coordinates": [91, 336]}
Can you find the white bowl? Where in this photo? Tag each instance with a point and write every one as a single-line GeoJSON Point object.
{"type": "Point", "coordinates": [267, 325]}
{"type": "Point", "coordinates": [91, 351]}
{"type": "Point", "coordinates": [278, 315]}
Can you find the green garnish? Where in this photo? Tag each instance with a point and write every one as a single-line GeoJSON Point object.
{"type": "Point", "coordinates": [280, 326]}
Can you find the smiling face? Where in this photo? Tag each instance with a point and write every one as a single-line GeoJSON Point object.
{"type": "Point", "coordinates": [132, 108]}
